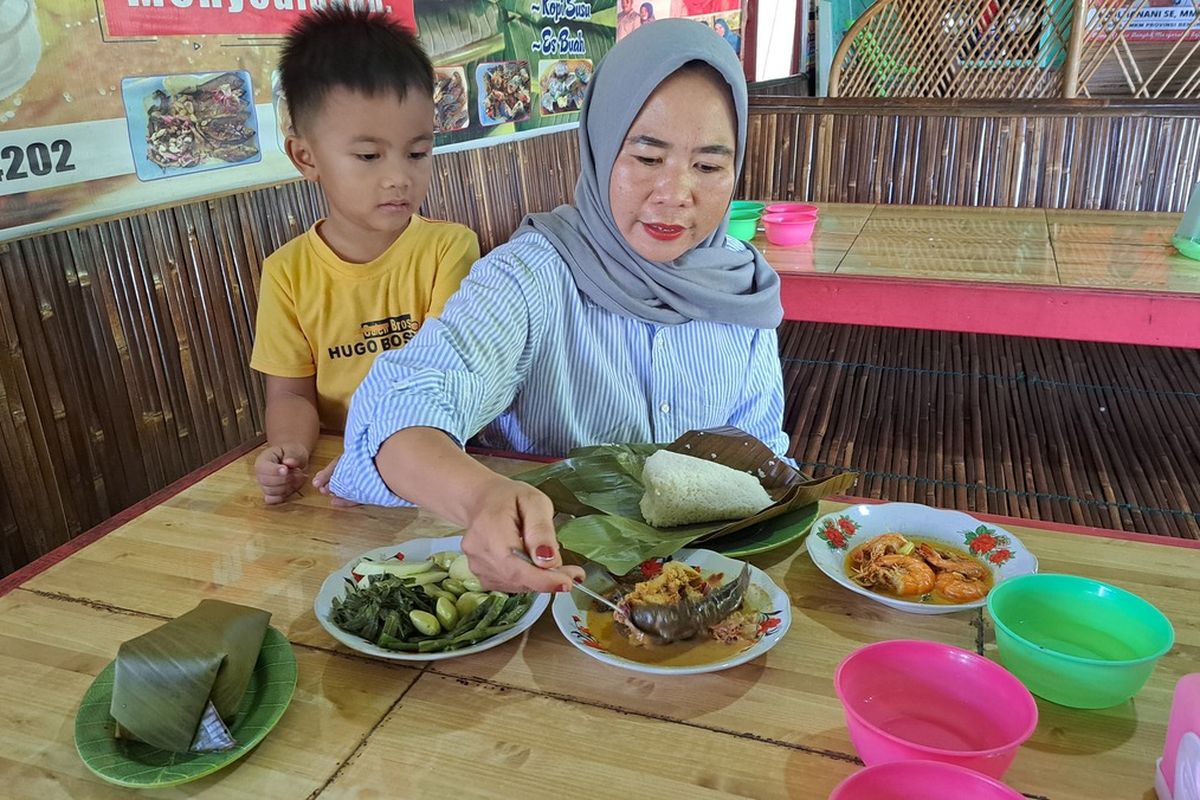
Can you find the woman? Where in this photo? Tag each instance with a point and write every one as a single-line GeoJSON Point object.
{"type": "Point", "coordinates": [627, 317]}
{"type": "Point", "coordinates": [647, 13]}
{"type": "Point", "coordinates": [734, 39]}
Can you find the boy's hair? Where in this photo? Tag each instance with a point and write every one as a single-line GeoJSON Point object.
{"type": "Point", "coordinates": [343, 48]}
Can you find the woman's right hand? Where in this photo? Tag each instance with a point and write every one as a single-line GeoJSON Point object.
{"type": "Point", "coordinates": [508, 515]}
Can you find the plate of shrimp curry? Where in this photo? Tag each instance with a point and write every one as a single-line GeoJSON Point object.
{"type": "Point", "coordinates": [915, 558]}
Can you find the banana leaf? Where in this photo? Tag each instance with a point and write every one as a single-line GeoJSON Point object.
{"type": "Point", "coordinates": [179, 686]}
{"type": "Point", "coordinates": [601, 487]}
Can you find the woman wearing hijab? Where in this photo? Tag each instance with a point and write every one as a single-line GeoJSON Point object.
{"type": "Point", "coordinates": [647, 13]}
{"type": "Point", "coordinates": [626, 317]}
{"type": "Point", "coordinates": [734, 39]}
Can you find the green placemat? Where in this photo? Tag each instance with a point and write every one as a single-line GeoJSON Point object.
{"type": "Point", "coordinates": [141, 766]}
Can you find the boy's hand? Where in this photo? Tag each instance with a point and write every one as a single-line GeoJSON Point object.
{"type": "Point", "coordinates": [280, 471]}
{"type": "Point", "coordinates": [321, 482]}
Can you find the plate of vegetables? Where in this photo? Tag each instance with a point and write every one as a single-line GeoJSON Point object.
{"type": "Point", "coordinates": [418, 601]}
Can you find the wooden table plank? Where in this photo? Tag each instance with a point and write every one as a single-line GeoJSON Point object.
{"type": "Point", "coordinates": [1112, 227]}
{"type": "Point", "coordinates": [464, 739]}
{"type": "Point", "coordinates": [51, 650]}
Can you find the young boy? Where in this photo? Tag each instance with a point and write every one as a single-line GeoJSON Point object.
{"type": "Point", "coordinates": [360, 282]}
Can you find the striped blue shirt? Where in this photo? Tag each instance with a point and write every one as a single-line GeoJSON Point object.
{"type": "Point", "coordinates": [522, 357]}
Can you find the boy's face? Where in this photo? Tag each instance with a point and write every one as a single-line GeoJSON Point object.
{"type": "Point", "coordinates": [371, 156]}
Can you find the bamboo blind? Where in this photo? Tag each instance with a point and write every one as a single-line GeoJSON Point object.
{"type": "Point", "coordinates": [124, 344]}
{"type": "Point", "coordinates": [1103, 435]}
{"type": "Point", "coordinates": [1115, 154]}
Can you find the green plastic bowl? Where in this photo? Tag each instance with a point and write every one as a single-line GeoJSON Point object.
{"type": "Point", "coordinates": [1185, 246]}
{"type": "Point", "coordinates": [744, 229]}
{"type": "Point", "coordinates": [1075, 641]}
{"type": "Point", "coordinates": [747, 205]}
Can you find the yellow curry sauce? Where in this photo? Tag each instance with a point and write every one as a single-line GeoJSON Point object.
{"type": "Point", "coordinates": [676, 654]}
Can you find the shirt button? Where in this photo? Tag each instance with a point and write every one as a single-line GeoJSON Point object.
{"type": "Point", "coordinates": [665, 408]}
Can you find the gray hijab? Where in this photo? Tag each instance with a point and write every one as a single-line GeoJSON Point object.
{"type": "Point", "coordinates": [708, 282]}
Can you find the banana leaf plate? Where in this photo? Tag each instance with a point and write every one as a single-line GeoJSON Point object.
{"type": "Point", "coordinates": [601, 487]}
{"type": "Point", "coordinates": [137, 765]}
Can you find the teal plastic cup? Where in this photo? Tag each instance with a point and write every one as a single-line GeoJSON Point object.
{"type": "Point", "coordinates": [1076, 641]}
{"type": "Point", "coordinates": [743, 223]}
{"type": "Point", "coordinates": [747, 205]}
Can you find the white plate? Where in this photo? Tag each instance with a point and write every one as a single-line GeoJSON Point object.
{"type": "Point", "coordinates": [835, 535]}
{"type": "Point", "coordinates": [418, 550]}
{"type": "Point", "coordinates": [570, 612]}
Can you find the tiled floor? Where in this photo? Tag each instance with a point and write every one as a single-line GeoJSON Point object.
{"type": "Point", "coordinates": [1100, 249]}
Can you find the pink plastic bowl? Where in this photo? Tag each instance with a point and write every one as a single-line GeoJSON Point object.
{"type": "Point", "coordinates": [789, 230]}
{"type": "Point", "coordinates": [928, 780]}
{"type": "Point", "coordinates": [790, 216]}
{"type": "Point", "coordinates": [912, 700]}
{"type": "Point", "coordinates": [791, 208]}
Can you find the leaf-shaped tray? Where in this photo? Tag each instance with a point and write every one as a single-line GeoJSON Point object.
{"type": "Point", "coordinates": [141, 766]}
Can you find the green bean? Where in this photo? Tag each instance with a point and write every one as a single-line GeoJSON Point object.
{"type": "Point", "coordinates": [511, 615]}
{"type": "Point", "coordinates": [493, 611]}
{"type": "Point", "coordinates": [391, 643]}
{"type": "Point", "coordinates": [475, 636]}
{"type": "Point", "coordinates": [468, 620]}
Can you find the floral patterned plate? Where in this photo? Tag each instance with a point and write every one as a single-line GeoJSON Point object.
{"type": "Point", "coordinates": [570, 613]}
{"type": "Point", "coordinates": [835, 535]}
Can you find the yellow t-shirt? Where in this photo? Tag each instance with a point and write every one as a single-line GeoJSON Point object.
{"type": "Point", "coordinates": [320, 315]}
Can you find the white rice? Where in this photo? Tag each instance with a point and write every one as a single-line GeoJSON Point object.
{"type": "Point", "coordinates": [682, 490]}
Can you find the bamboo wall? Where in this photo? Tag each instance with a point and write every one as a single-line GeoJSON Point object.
{"type": "Point", "coordinates": [1083, 154]}
{"type": "Point", "coordinates": [125, 342]}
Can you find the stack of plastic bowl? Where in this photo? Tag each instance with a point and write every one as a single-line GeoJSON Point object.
{"type": "Point", "coordinates": [1076, 641]}
{"type": "Point", "coordinates": [927, 780]}
{"type": "Point", "coordinates": [790, 224]}
{"type": "Point", "coordinates": [919, 702]}
{"type": "Point", "coordinates": [743, 219]}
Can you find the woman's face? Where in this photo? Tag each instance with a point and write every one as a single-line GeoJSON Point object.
{"type": "Point", "coordinates": [674, 176]}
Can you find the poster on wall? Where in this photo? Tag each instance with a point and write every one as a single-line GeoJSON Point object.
{"type": "Point", "coordinates": [108, 106]}
{"type": "Point", "coordinates": [1162, 21]}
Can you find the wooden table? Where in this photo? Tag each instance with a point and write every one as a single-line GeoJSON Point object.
{"type": "Point", "coordinates": [1086, 275]}
{"type": "Point", "coordinates": [534, 717]}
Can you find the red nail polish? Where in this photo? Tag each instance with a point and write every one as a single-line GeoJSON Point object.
{"type": "Point", "coordinates": [544, 551]}
{"type": "Point", "coordinates": [578, 579]}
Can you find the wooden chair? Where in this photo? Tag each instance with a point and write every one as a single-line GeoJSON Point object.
{"type": "Point", "coordinates": [954, 48]}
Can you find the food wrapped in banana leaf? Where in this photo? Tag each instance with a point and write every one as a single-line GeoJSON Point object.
{"type": "Point", "coordinates": [179, 686]}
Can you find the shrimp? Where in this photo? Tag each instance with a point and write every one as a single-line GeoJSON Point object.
{"type": "Point", "coordinates": [902, 575]}
{"type": "Point", "coordinates": [958, 588]}
{"type": "Point", "coordinates": [944, 561]}
{"type": "Point", "coordinates": [884, 545]}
